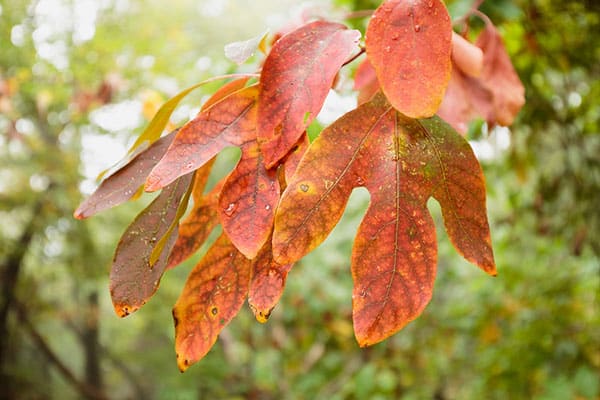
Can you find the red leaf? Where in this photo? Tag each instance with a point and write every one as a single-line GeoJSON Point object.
{"type": "Point", "coordinates": [133, 280]}
{"type": "Point", "coordinates": [124, 183]}
{"type": "Point", "coordinates": [212, 296]}
{"type": "Point", "coordinates": [267, 283]}
{"type": "Point", "coordinates": [365, 81]}
{"type": "Point", "coordinates": [295, 80]}
{"type": "Point", "coordinates": [409, 44]}
{"type": "Point", "coordinates": [402, 162]}
{"type": "Point", "coordinates": [248, 200]}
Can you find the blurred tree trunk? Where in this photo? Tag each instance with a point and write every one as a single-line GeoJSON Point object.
{"type": "Point", "coordinates": [91, 344]}
{"type": "Point", "coordinates": [10, 270]}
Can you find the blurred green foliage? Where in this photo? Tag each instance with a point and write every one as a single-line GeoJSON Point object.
{"type": "Point", "coordinates": [531, 333]}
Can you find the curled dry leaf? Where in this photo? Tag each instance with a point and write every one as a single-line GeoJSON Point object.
{"type": "Point", "coordinates": [295, 80]}
{"type": "Point", "coordinates": [495, 94]}
{"type": "Point", "coordinates": [402, 162]}
{"type": "Point", "coordinates": [409, 45]}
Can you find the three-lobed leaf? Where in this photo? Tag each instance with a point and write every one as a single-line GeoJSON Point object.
{"type": "Point", "coordinates": [402, 162]}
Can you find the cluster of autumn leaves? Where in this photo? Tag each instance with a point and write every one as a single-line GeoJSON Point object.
{"type": "Point", "coordinates": [285, 194]}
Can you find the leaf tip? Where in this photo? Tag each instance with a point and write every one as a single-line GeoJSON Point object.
{"type": "Point", "coordinates": [182, 363]}
{"type": "Point", "coordinates": [79, 214]}
{"type": "Point", "coordinates": [123, 310]}
{"type": "Point", "coordinates": [261, 316]}
{"type": "Point", "coordinates": [153, 183]}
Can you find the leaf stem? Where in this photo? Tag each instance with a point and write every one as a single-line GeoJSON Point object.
{"type": "Point", "coordinates": [354, 57]}
{"type": "Point", "coordinates": [359, 14]}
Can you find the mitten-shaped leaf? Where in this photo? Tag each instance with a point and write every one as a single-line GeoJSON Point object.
{"type": "Point", "coordinates": [250, 194]}
{"type": "Point", "coordinates": [295, 80]}
{"type": "Point", "coordinates": [409, 44]}
{"type": "Point", "coordinates": [133, 278]}
{"type": "Point", "coordinates": [402, 162]}
{"type": "Point", "coordinates": [213, 294]}
{"type": "Point", "coordinates": [124, 183]}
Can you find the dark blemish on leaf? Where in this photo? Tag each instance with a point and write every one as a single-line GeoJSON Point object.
{"type": "Point", "coordinates": [214, 311]}
{"type": "Point", "coordinates": [304, 187]}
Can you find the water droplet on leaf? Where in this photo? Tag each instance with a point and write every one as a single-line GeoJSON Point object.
{"type": "Point", "coordinates": [229, 210]}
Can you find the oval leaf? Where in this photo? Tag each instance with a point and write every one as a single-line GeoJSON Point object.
{"type": "Point", "coordinates": [213, 294]}
{"type": "Point", "coordinates": [133, 278]}
{"type": "Point", "coordinates": [409, 43]}
{"type": "Point", "coordinates": [267, 283]}
{"type": "Point", "coordinates": [295, 80]}
{"type": "Point", "coordinates": [229, 122]}
{"type": "Point", "coordinates": [124, 183]}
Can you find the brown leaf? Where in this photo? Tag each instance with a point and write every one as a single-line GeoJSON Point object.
{"type": "Point", "coordinates": [465, 100]}
{"type": "Point", "coordinates": [133, 280]}
{"type": "Point", "coordinates": [125, 182]}
{"type": "Point", "coordinates": [499, 77]}
{"type": "Point", "coordinates": [212, 296]}
{"type": "Point", "coordinates": [402, 162]}
{"type": "Point", "coordinates": [409, 44]}
{"type": "Point", "coordinates": [295, 80]}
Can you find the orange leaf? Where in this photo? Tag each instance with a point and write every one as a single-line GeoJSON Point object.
{"type": "Point", "coordinates": [409, 44]}
{"type": "Point", "coordinates": [201, 220]}
{"type": "Point", "coordinates": [295, 80]}
{"type": "Point", "coordinates": [402, 162]}
{"type": "Point", "coordinates": [229, 122]}
{"type": "Point", "coordinates": [267, 283]}
{"type": "Point", "coordinates": [123, 184]}
{"type": "Point", "coordinates": [250, 193]}
{"type": "Point", "coordinates": [133, 279]}
{"type": "Point", "coordinates": [213, 294]}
